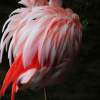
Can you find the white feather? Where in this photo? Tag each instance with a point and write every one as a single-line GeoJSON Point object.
{"type": "Point", "coordinates": [25, 77]}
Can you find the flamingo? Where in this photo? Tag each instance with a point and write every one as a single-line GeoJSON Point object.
{"type": "Point", "coordinates": [41, 38]}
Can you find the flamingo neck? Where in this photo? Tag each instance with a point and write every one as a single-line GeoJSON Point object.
{"type": "Point", "coordinates": [55, 3]}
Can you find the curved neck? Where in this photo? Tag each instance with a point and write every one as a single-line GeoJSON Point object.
{"type": "Point", "coordinates": [55, 3]}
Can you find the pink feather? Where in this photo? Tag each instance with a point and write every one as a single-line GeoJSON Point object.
{"type": "Point", "coordinates": [44, 40]}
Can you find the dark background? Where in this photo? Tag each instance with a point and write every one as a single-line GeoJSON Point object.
{"type": "Point", "coordinates": [83, 82]}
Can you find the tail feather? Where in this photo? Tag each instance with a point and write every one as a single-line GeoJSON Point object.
{"type": "Point", "coordinates": [14, 90]}
{"type": "Point", "coordinates": [11, 76]}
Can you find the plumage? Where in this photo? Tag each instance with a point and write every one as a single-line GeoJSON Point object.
{"type": "Point", "coordinates": [42, 39]}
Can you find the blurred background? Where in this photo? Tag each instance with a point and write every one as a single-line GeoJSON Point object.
{"type": "Point", "coordinates": [83, 82]}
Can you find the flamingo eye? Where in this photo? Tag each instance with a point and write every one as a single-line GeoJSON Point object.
{"type": "Point", "coordinates": [34, 19]}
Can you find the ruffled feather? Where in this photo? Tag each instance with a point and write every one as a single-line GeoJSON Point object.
{"type": "Point", "coordinates": [40, 39]}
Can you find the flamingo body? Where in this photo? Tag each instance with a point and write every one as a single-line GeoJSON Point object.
{"type": "Point", "coordinates": [44, 40]}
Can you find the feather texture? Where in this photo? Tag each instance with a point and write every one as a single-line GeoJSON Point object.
{"type": "Point", "coordinates": [42, 40]}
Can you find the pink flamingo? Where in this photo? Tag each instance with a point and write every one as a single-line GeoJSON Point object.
{"type": "Point", "coordinates": [42, 38]}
